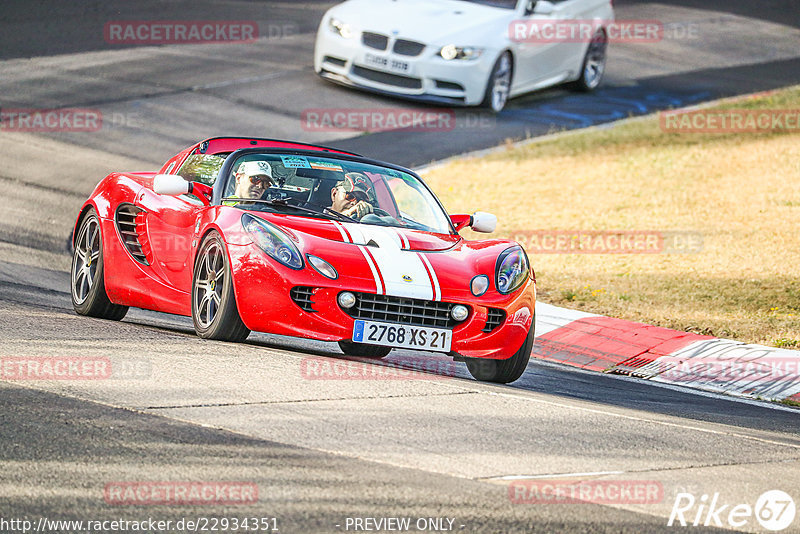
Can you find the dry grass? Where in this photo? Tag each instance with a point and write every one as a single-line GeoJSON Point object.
{"type": "Point", "coordinates": [740, 191]}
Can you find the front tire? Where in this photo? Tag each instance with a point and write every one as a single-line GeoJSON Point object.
{"type": "Point", "coordinates": [88, 286]}
{"type": "Point", "coordinates": [594, 63]}
{"type": "Point", "coordinates": [214, 311]}
{"type": "Point", "coordinates": [499, 85]}
{"type": "Point", "coordinates": [364, 351]}
{"type": "Point", "coordinates": [503, 371]}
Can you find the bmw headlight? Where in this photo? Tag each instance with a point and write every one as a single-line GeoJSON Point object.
{"type": "Point", "coordinates": [451, 52]}
{"type": "Point", "coordinates": [512, 270]}
{"type": "Point", "coordinates": [274, 242]}
{"type": "Point", "coordinates": [341, 28]}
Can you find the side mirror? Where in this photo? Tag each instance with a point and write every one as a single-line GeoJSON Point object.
{"type": "Point", "coordinates": [543, 7]}
{"type": "Point", "coordinates": [171, 184]}
{"type": "Point", "coordinates": [174, 185]}
{"type": "Point", "coordinates": [483, 222]}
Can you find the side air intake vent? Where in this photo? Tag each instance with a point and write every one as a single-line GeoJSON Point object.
{"type": "Point", "coordinates": [128, 219]}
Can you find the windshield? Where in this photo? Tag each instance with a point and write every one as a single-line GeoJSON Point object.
{"type": "Point", "coordinates": [333, 188]}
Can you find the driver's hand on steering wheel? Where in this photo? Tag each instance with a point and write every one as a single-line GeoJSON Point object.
{"type": "Point", "coordinates": [360, 209]}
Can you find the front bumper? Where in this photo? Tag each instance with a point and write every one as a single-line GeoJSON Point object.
{"type": "Point", "coordinates": [428, 77]}
{"type": "Point", "coordinates": [263, 297]}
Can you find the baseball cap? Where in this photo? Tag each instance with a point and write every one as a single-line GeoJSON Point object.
{"type": "Point", "coordinates": [355, 182]}
{"type": "Point", "coordinates": [255, 168]}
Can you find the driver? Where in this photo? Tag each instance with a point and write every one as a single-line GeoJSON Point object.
{"type": "Point", "coordinates": [252, 179]}
{"type": "Point", "coordinates": [350, 196]}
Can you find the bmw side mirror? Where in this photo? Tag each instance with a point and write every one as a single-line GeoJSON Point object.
{"type": "Point", "coordinates": [543, 7]}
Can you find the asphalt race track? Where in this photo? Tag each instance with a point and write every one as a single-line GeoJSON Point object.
{"type": "Point", "coordinates": [430, 444]}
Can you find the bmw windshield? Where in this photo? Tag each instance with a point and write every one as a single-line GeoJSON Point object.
{"type": "Point", "coordinates": [333, 188]}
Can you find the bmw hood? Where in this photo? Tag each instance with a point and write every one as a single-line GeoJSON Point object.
{"type": "Point", "coordinates": [434, 22]}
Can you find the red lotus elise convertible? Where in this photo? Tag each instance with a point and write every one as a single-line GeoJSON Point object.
{"type": "Point", "coordinates": [307, 241]}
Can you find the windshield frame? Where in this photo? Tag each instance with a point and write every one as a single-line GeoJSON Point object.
{"type": "Point", "coordinates": [225, 173]}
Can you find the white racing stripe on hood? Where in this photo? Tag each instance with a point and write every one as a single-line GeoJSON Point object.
{"type": "Point", "coordinates": [404, 273]}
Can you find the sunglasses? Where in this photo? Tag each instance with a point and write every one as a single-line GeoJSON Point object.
{"type": "Point", "coordinates": [258, 180]}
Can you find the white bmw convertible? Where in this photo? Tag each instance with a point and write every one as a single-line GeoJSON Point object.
{"type": "Point", "coordinates": [464, 52]}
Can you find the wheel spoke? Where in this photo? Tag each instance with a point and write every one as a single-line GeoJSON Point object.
{"type": "Point", "coordinates": [89, 278]}
{"type": "Point", "coordinates": [209, 314]}
{"type": "Point", "coordinates": [220, 276]}
{"type": "Point", "coordinates": [207, 262]}
{"type": "Point", "coordinates": [78, 284]}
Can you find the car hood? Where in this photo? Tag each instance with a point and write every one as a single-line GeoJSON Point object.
{"type": "Point", "coordinates": [433, 22]}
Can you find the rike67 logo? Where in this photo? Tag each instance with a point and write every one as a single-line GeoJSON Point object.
{"type": "Point", "coordinates": [774, 510]}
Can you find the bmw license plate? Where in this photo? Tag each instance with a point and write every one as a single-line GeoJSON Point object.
{"type": "Point", "coordinates": [387, 63]}
{"type": "Point", "coordinates": [398, 335]}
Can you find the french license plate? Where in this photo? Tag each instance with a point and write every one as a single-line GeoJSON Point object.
{"type": "Point", "coordinates": [387, 63]}
{"type": "Point", "coordinates": [398, 335]}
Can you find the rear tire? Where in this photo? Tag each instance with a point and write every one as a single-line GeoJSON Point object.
{"type": "Point", "coordinates": [503, 371]}
{"type": "Point", "coordinates": [88, 286]}
{"type": "Point", "coordinates": [364, 351]}
{"type": "Point", "coordinates": [214, 311]}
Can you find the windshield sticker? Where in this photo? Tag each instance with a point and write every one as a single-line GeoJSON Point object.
{"type": "Point", "coordinates": [325, 166]}
{"type": "Point", "coordinates": [295, 162]}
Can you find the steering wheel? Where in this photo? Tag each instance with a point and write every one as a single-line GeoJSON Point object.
{"type": "Point", "coordinates": [381, 212]}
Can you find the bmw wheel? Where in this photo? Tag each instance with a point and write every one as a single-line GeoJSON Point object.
{"type": "Point", "coordinates": [503, 371]}
{"type": "Point", "coordinates": [214, 311]}
{"type": "Point", "coordinates": [594, 63]}
{"type": "Point", "coordinates": [499, 85]}
{"type": "Point", "coordinates": [87, 285]}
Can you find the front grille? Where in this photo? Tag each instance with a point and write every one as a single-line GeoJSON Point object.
{"type": "Point", "coordinates": [408, 48]}
{"type": "Point", "coordinates": [402, 310]}
{"type": "Point", "coordinates": [375, 40]}
{"type": "Point", "coordinates": [441, 84]}
{"type": "Point", "coordinates": [302, 297]}
{"type": "Point", "coordinates": [495, 317]}
{"type": "Point", "coordinates": [128, 219]}
{"type": "Point", "coordinates": [386, 78]}
{"type": "Point", "coordinates": [334, 60]}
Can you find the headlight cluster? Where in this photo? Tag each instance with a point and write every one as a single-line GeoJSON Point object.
{"type": "Point", "coordinates": [451, 52]}
{"type": "Point", "coordinates": [274, 242]}
{"type": "Point", "coordinates": [341, 28]}
{"type": "Point", "coordinates": [512, 270]}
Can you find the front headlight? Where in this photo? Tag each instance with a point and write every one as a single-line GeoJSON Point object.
{"type": "Point", "coordinates": [271, 240]}
{"type": "Point", "coordinates": [450, 52]}
{"type": "Point", "coordinates": [512, 270]}
{"type": "Point", "coordinates": [339, 27]}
